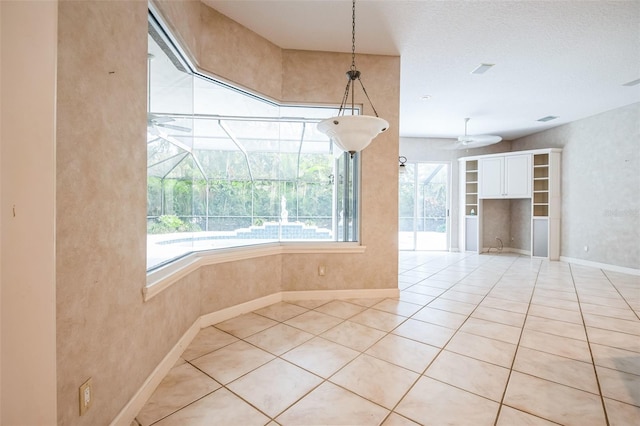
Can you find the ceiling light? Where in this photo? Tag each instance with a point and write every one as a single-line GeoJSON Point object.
{"type": "Point", "coordinates": [425, 97]}
{"type": "Point", "coordinates": [547, 118]}
{"type": "Point", "coordinates": [353, 133]}
{"type": "Point", "coordinates": [632, 83]}
{"type": "Point", "coordinates": [482, 68]}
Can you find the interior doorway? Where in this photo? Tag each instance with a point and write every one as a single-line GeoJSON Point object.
{"type": "Point", "coordinates": [424, 207]}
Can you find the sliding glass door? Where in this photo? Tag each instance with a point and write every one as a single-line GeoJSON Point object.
{"type": "Point", "coordinates": [424, 207]}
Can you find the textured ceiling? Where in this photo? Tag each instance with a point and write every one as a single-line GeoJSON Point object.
{"type": "Point", "coordinates": [563, 58]}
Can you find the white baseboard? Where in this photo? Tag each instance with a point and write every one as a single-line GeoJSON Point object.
{"type": "Point", "coordinates": [133, 407]}
{"type": "Point", "coordinates": [135, 404]}
{"type": "Point", "coordinates": [236, 310]}
{"type": "Point", "coordinates": [598, 265]}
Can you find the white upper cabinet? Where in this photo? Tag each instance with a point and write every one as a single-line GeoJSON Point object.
{"type": "Point", "coordinates": [506, 176]}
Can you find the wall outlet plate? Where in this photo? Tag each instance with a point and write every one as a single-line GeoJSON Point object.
{"type": "Point", "coordinates": [86, 396]}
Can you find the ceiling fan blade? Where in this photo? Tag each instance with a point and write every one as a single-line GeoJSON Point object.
{"type": "Point", "coordinates": [174, 127]}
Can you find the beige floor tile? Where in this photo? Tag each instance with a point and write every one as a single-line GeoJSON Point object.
{"type": "Point", "coordinates": [557, 345]}
{"type": "Point", "coordinates": [329, 404]}
{"type": "Point", "coordinates": [309, 304]}
{"type": "Point", "coordinates": [353, 335]}
{"type": "Point", "coordinates": [375, 380]}
{"type": "Point", "coordinates": [556, 294]}
{"type": "Point", "coordinates": [431, 334]}
{"type": "Point", "coordinates": [616, 359]}
{"type": "Point", "coordinates": [321, 356]}
{"type": "Point", "coordinates": [604, 302]}
{"type": "Point", "coordinates": [368, 302]}
{"type": "Point", "coordinates": [569, 372]}
{"type": "Point", "coordinates": [555, 313]}
{"type": "Point", "coordinates": [245, 325]}
{"type": "Point", "coordinates": [512, 417]}
{"type": "Point", "coordinates": [621, 414]}
{"type": "Point", "coordinates": [478, 377]}
{"type": "Point", "coordinates": [555, 327]}
{"type": "Point", "coordinates": [440, 317]}
{"type": "Point", "coordinates": [380, 320]}
{"type": "Point", "coordinates": [314, 322]}
{"type": "Point", "coordinates": [558, 403]}
{"type": "Point", "coordinates": [279, 338]}
{"type": "Point", "coordinates": [233, 361]}
{"type": "Point", "coordinates": [568, 305]}
{"type": "Point", "coordinates": [281, 311]}
{"type": "Point", "coordinates": [493, 330]}
{"type": "Point", "coordinates": [418, 299]}
{"type": "Point", "coordinates": [436, 283]}
{"type": "Point", "coordinates": [461, 296]}
{"type": "Point", "coordinates": [473, 289]}
{"type": "Point", "coordinates": [397, 307]}
{"type": "Point", "coordinates": [614, 339]}
{"type": "Point", "coordinates": [453, 306]}
{"type": "Point", "coordinates": [425, 290]}
{"type": "Point", "coordinates": [180, 387]}
{"type": "Point", "coordinates": [431, 402]}
{"type": "Point", "coordinates": [498, 315]}
{"type": "Point", "coordinates": [406, 353]}
{"type": "Point", "coordinates": [275, 386]}
{"type": "Point", "coordinates": [625, 313]}
{"type": "Point", "coordinates": [482, 348]}
{"type": "Point", "coordinates": [619, 385]}
{"type": "Point", "coordinates": [340, 309]}
{"type": "Point", "coordinates": [221, 408]}
{"type": "Point", "coordinates": [207, 340]}
{"type": "Point", "coordinates": [397, 420]}
{"type": "Point", "coordinates": [613, 324]}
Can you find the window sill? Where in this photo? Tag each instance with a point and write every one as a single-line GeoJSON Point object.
{"type": "Point", "coordinates": [163, 278]}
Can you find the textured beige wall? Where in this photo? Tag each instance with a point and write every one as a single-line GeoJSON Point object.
{"type": "Point", "coordinates": [320, 77]}
{"type": "Point", "coordinates": [27, 141]}
{"type": "Point", "coordinates": [104, 329]}
{"type": "Point", "coordinates": [600, 185]}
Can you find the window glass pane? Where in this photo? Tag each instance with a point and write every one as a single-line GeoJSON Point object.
{"type": "Point", "coordinates": [227, 168]}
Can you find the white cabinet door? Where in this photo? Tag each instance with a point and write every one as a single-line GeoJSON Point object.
{"type": "Point", "coordinates": [491, 177]}
{"type": "Point", "coordinates": [517, 176]}
{"type": "Point", "coordinates": [505, 177]}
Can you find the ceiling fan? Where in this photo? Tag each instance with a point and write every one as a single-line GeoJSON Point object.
{"type": "Point", "coordinates": [475, 141]}
{"type": "Point", "coordinates": [154, 120]}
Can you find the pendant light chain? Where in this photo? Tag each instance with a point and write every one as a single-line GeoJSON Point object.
{"type": "Point", "coordinates": [353, 36]}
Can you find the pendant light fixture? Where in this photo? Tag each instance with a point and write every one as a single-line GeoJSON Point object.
{"type": "Point", "coordinates": [353, 133]}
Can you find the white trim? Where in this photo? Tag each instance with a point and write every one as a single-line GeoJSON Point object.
{"type": "Point", "coordinates": [598, 265]}
{"type": "Point", "coordinates": [140, 398]}
{"type": "Point", "coordinates": [164, 277]}
{"type": "Point", "coordinates": [236, 310]}
{"type": "Point", "coordinates": [135, 404]}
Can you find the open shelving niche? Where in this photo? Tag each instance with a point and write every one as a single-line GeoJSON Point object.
{"type": "Point", "coordinates": [545, 204]}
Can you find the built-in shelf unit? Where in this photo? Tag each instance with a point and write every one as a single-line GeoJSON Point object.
{"type": "Point", "coordinates": [543, 169]}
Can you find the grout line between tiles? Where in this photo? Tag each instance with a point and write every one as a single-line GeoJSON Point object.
{"type": "Point", "coordinates": [593, 361]}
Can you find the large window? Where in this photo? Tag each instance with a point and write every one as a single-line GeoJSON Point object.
{"type": "Point", "coordinates": [227, 168]}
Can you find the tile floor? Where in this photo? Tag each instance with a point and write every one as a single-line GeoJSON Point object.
{"type": "Point", "coordinates": [472, 340]}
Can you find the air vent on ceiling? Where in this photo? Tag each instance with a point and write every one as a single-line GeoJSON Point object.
{"type": "Point", "coordinates": [482, 68]}
{"type": "Point", "coordinates": [547, 118]}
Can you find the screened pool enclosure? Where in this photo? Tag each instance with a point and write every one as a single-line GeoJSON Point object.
{"type": "Point", "coordinates": [227, 168]}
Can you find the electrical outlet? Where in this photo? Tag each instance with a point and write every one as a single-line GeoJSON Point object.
{"type": "Point", "coordinates": [86, 396]}
{"type": "Point", "coordinates": [322, 270]}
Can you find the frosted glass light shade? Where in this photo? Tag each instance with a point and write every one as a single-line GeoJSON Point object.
{"type": "Point", "coordinates": [353, 133]}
